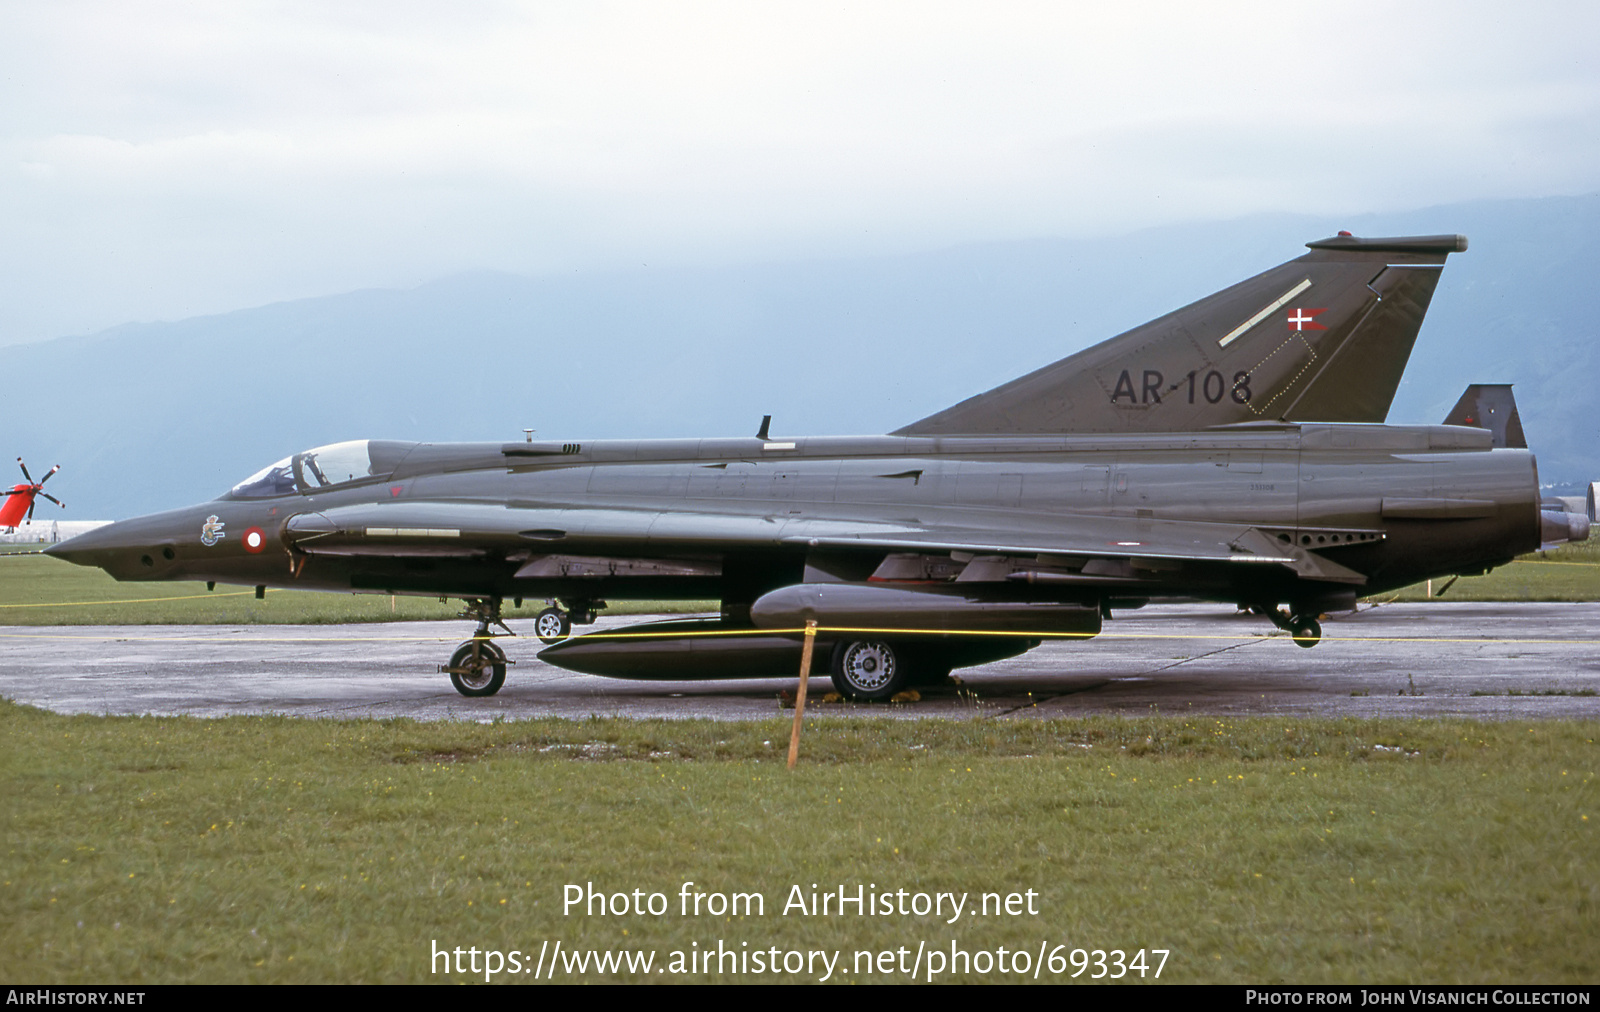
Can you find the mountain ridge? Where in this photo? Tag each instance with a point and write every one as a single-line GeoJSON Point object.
{"type": "Point", "coordinates": [147, 416]}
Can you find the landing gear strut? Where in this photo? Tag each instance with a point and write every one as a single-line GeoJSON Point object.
{"type": "Point", "coordinates": [478, 667]}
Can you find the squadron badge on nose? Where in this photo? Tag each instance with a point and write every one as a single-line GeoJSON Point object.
{"type": "Point", "coordinates": [211, 531]}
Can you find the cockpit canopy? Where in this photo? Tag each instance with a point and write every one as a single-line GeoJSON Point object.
{"type": "Point", "coordinates": [325, 467]}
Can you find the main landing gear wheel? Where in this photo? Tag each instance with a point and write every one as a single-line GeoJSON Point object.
{"type": "Point", "coordinates": [868, 671]}
{"type": "Point", "coordinates": [552, 625]}
{"type": "Point", "coordinates": [478, 668]}
{"type": "Point", "coordinates": [1304, 629]}
{"type": "Point", "coordinates": [1307, 631]}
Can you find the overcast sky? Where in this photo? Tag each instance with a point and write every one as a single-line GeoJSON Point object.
{"type": "Point", "coordinates": [161, 160]}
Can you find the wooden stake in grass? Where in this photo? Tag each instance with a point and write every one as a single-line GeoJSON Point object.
{"type": "Point", "coordinates": [800, 696]}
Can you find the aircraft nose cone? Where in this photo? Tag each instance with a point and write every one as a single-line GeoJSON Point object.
{"type": "Point", "coordinates": [86, 548]}
{"type": "Point", "coordinates": [140, 549]}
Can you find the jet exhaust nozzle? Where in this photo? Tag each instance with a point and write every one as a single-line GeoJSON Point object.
{"type": "Point", "coordinates": [1560, 526]}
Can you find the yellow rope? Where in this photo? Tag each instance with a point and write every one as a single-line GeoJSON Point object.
{"type": "Point", "coordinates": [131, 600]}
{"type": "Point", "coordinates": [1552, 562]}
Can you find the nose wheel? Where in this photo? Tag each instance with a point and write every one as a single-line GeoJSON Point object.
{"type": "Point", "coordinates": [478, 667]}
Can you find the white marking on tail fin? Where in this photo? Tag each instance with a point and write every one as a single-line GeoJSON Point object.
{"type": "Point", "coordinates": [1277, 304]}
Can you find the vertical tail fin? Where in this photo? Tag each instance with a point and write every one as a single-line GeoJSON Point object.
{"type": "Point", "coordinates": [1490, 406]}
{"type": "Point", "coordinates": [1324, 337]}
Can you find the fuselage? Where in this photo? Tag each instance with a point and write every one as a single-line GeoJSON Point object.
{"type": "Point", "coordinates": [1396, 504]}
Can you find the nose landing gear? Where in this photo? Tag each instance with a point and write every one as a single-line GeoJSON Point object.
{"type": "Point", "coordinates": [478, 667]}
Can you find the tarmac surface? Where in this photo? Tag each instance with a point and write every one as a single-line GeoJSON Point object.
{"type": "Point", "coordinates": [1498, 661]}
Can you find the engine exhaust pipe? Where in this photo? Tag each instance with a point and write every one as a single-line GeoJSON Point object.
{"type": "Point", "coordinates": [1559, 526]}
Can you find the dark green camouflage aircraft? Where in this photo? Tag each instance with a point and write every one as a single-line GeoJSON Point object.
{"type": "Point", "coordinates": [1230, 451]}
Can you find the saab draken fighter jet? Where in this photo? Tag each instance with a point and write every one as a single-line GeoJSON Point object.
{"type": "Point", "coordinates": [1231, 451]}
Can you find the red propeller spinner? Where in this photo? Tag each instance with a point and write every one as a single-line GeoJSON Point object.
{"type": "Point", "coordinates": [19, 498]}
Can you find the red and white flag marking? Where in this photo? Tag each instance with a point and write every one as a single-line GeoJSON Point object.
{"type": "Point", "coordinates": [1302, 319]}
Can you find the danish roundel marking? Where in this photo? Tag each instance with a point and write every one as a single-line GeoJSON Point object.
{"type": "Point", "coordinates": [254, 540]}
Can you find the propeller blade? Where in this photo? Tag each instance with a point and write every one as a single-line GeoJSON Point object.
{"type": "Point", "coordinates": [47, 475]}
{"type": "Point", "coordinates": [30, 510]}
{"type": "Point", "coordinates": [25, 473]}
{"type": "Point", "coordinates": [12, 491]}
{"type": "Point", "coordinates": [53, 499]}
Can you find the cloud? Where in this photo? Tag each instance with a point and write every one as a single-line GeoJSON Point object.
{"type": "Point", "coordinates": [171, 159]}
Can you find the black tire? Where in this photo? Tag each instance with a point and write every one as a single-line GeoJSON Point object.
{"type": "Point", "coordinates": [478, 668]}
{"type": "Point", "coordinates": [1307, 632]}
{"type": "Point", "coordinates": [552, 625]}
{"type": "Point", "coordinates": [869, 671]}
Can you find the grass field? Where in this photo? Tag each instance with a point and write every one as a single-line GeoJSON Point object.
{"type": "Point", "coordinates": [1567, 573]}
{"type": "Point", "coordinates": [281, 850]}
{"type": "Point", "coordinates": [38, 590]}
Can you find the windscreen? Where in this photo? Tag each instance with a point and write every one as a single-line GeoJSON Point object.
{"type": "Point", "coordinates": [274, 479]}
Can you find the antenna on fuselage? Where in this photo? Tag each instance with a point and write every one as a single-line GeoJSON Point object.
{"type": "Point", "coordinates": [766, 423]}
{"type": "Point", "coordinates": [528, 433]}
